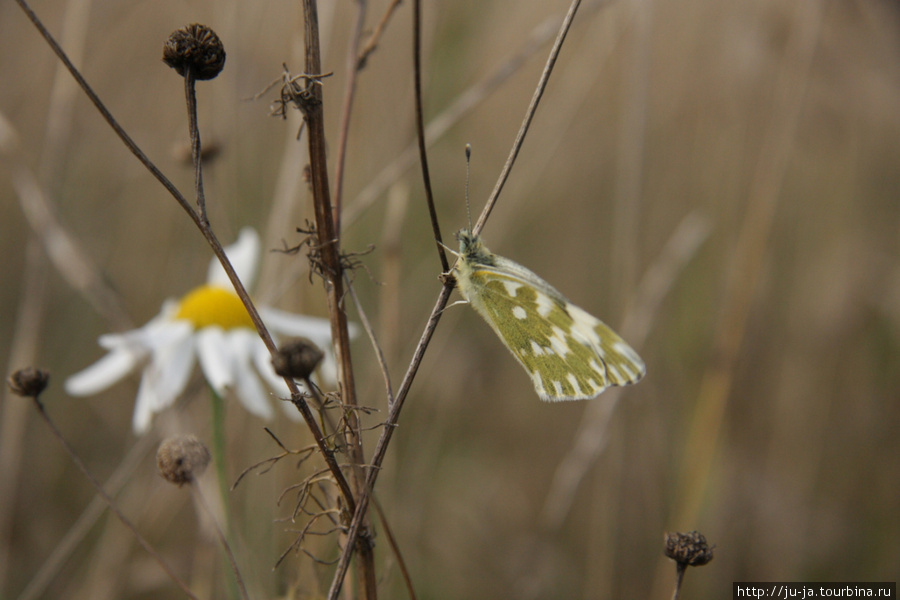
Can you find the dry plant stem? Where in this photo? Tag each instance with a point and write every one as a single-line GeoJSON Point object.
{"type": "Point", "coordinates": [420, 134]}
{"type": "Point", "coordinates": [376, 34]}
{"type": "Point", "coordinates": [109, 501]}
{"type": "Point", "coordinates": [191, 100]}
{"type": "Point", "coordinates": [391, 423]}
{"type": "Point", "coordinates": [296, 396]}
{"type": "Point", "coordinates": [198, 496]}
{"type": "Point", "coordinates": [23, 350]}
{"type": "Point", "coordinates": [353, 67]}
{"type": "Point", "coordinates": [382, 363]}
{"type": "Point", "coordinates": [66, 546]}
{"type": "Point", "coordinates": [386, 434]}
{"type": "Point", "coordinates": [329, 244]}
{"type": "Point", "coordinates": [529, 114]}
{"type": "Point", "coordinates": [393, 543]}
{"type": "Point", "coordinates": [451, 115]}
{"type": "Point", "coordinates": [680, 568]}
{"type": "Point", "coordinates": [104, 112]}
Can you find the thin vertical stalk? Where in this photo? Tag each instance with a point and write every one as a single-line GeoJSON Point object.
{"type": "Point", "coordinates": [218, 449]}
{"type": "Point", "coordinates": [332, 270]}
{"type": "Point", "coordinates": [420, 130]}
{"type": "Point", "coordinates": [353, 65]}
{"type": "Point", "coordinates": [190, 94]}
{"type": "Point", "coordinates": [356, 525]}
{"type": "Point", "coordinates": [529, 115]}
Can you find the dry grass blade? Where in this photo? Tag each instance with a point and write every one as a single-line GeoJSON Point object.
{"type": "Point", "coordinates": [590, 439]}
{"type": "Point", "coordinates": [750, 256]}
{"type": "Point", "coordinates": [67, 255]}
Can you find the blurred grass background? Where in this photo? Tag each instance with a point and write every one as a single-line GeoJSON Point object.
{"type": "Point", "coordinates": [769, 416]}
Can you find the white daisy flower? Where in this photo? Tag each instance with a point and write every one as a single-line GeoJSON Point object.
{"type": "Point", "coordinates": [210, 324]}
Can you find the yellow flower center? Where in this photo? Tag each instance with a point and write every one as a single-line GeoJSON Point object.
{"type": "Point", "coordinates": [211, 305]}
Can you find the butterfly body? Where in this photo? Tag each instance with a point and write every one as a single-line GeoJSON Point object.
{"type": "Point", "coordinates": [568, 353]}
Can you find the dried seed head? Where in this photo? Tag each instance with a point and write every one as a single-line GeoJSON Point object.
{"type": "Point", "coordinates": [297, 359]}
{"type": "Point", "coordinates": [182, 459]}
{"type": "Point", "coordinates": [195, 47]}
{"type": "Point", "coordinates": [688, 549]}
{"type": "Point", "coordinates": [28, 382]}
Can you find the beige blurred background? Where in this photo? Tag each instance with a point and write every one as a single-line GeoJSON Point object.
{"type": "Point", "coordinates": [716, 180]}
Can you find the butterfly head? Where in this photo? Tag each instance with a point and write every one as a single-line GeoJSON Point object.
{"type": "Point", "coordinates": [470, 245]}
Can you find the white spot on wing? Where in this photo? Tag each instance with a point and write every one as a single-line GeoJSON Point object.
{"type": "Point", "coordinates": [615, 373]}
{"type": "Point", "coordinates": [538, 383]}
{"type": "Point", "coordinates": [558, 341]}
{"type": "Point", "coordinates": [519, 313]}
{"type": "Point", "coordinates": [626, 351]}
{"type": "Point", "coordinates": [511, 287]}
{"type": "Point", "coordinates": [573, 381]}
{"type": "Point", "coordinates": [544, 304]}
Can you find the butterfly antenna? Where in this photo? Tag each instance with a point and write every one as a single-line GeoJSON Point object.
{"type": "Point", "coordinates": [468, 158]}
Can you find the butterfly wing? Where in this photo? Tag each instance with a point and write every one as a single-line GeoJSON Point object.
{"type": "Point", "coordinates": [623, 365]}
{"type": "Point", "coordinates": [569, 354]}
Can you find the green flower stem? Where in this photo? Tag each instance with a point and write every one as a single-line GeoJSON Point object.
{"type": "Point", "coordinates": [218, 450]}
{"type": "Point", "coordinates": [218, 454]}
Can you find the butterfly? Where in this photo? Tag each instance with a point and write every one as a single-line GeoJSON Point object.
{"type": "Point", "coordinates": [569, 354]}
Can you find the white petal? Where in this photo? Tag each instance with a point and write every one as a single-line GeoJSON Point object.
{"type": "Point", "coordinates": [115, 341]}
{"type": "Point", "coordinates": [103, 373]}
{"type": "Point", "coordinates": [127, 350]}
{"type": "Point", "coordinates": [262, 360]}
{"type": "Point", "coordinates": [157, 328]}
{"type": "Point", "coordinates": [172, 364]}
{"type": "Point", "coordinates": [216, 359]}
{"type": "Point", "coordinates": [163, 334]}
{"type": "Point", "coordinates": [328, 367]}
{"type": "Point", "coordinates": [244, 257]}
{"type": "Point", "coordinates": [167, 374]}
{"type": "Point", "coordinates": [249, 390]}
{"type": "Point", "coordinates": [143, 408]}
{"type": "Point", "coordinates": [316, 329]}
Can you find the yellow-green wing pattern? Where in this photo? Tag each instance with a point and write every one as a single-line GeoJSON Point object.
{"type": "Point", "coordinates": [568, 353]}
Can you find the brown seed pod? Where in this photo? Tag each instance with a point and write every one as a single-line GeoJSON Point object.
{"type": "Point", "coordinates": [195, 47]}
{"type": "Point", "coordinates": [28, 382]}
{"type": "Point", "coordinates": [297, 359]}
{"type": "Point", "coordinates": [182, 459]}
{"type": "Point", "coordinates": [688, 549]}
